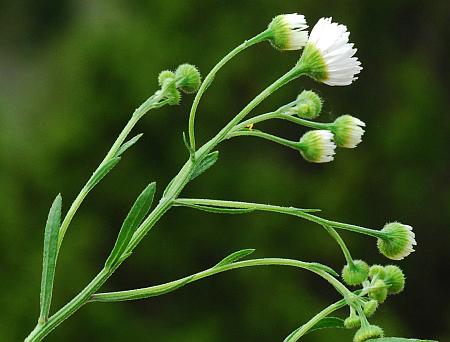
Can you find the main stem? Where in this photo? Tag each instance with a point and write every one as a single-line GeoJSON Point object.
{"type": "Point", "coordinates": [170, 194]}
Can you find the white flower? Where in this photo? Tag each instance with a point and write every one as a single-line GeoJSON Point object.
{"type": "Point", "coordinates": [348, 131]}
{"type": "Point", "coordinates": [287, 31]}
{"type": "Point", "coordinates": [317, 146]}
{"type": "Point", "coordinates": [329, 54]}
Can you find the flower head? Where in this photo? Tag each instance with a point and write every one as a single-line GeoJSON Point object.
{"type": "Point", "coordinates": [348, 131]}
{"type": "Point", "coordinates": [188, 78]}
{"type": "Point", "coordinates": [317, 146]}
{"type": "Point", "coordinates": [328, 56]}
{"type": "Point", "coordinates": [370, 307]}
{"type": "Point", "coordinates": [394, 278]}
{"type": "Point", "coordinates": [368, 332]}
{"type": "Point", "coordinates": [308, 105]}
{"type": "Point", "coordinates": [398, 241]}
{"type": "Point", "coordinates": [356, 273]}
{"type": "Point", "coordinates": [287, 31]}
{"type": "Point", "coordinates": [378, 291]}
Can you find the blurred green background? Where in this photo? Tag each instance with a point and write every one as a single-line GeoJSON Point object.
{"type": "Point", "coordinates": [71, 72]}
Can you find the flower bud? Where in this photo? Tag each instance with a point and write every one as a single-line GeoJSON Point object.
{"type": "Point", "coordinates": [352, 322]}
{"type": "Point", "coordinates": [188, 78]}
{"type": "Point", "coordinates": [376, 270]}
{"type": "Point", "coordinates": [367, 333]}
{"type": "Point", "coordinates": [398, 241]}
{"type": "Point", "coordinates": [287, 31]}
{"type": "Point", "coordinates": [348, 131]}
{"type": "Point", "coordinates": [317, 146]}
{"type": "Point", "coordinates": [165, 75]}
{"type": "Point", "coordinates": [370, 307]}
{"type": "Point", "coordinates": [378, 291]}
{"type": "Point", "coordinates": [309, 105]}
{"type": "Point", "coordinates": [394, 278]}
{"type": "Point", "coordinates": [356, 273]}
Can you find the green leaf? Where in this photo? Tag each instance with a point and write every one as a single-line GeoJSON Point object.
{"type": "Point", "coordinates": [148, 292]}
{"type": "Point", "coordinates": [324, 323]}
{"type": "Point", "coordinates": [398, 339]}
{"type": "Point", "coordinates": [101, 172]}
{"type": "Point", "coordinates": [128, 144]}
{"type": "Point", "coordinates": [235, 257]}
{"type": "Point", "coordinates": [49, 258]}
{"type": "Point", "coordinates": [205, 164]}
{"type": "Point", "coordinates": [219, 210]}
{"type": "Point", "coordinates": [134, 218]}
{"type": "Point", "coordinates": [324, 268]}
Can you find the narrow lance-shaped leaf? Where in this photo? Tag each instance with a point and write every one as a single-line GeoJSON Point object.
{"type": "Point", "coordinates": [128, 144]}
{"type": "Point", "coordinates": [101, 172]}
{"type": "Point", "coordinates": [148, 292]}
{"type": "Point", "coordinates": [218, 210]}
{"type": "Point", "coordinates": [49, 258]}
{"type": "Point", "coordinates": [326, 322]}
{"type": "Point", "coordinates": [134, 218]}
{"type": "Point", "coordinates": [235, 257]}
{"type": "Point", "coordinates": [205, 164]}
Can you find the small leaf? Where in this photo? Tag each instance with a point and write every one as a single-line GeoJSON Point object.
{"type": "Point", "coordinates": [134, 218]}
{"type": "Point", "coordinates": [324, 268]}
{"type": "Point", "coordinates": [398, 339]}
{"type": "Point", "coordinates": [101, 172]}
{"type": "Point", "coordinates": [235, 257]}
{"type": "Point", "coordinates": [327, 322]}
{"type": "Point", "coordinates": [128, 144]}
{"type": "Point", "coordinates": [205, 164]}
{"type": "Point", "coordinates": [49, 258]}
{"type": "Point", "coordinates": [148, 292]}
{"type": "Point", "coordinates": [219, 210]}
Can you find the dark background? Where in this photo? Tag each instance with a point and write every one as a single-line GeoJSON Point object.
{"type": "Point", "coordinates": [71, 72]}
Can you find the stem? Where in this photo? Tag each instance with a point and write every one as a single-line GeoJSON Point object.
{"type": "Point", "coordinates": [43, 330]}
{"type": "Point", "coordinates": [314, 320]}
{"type": "Point", "coordinates": [159, 289]}
{"type": "Point", "coordinates": [150, 103]}
{"type": "Point", "coordinates": [210, 77]}
{"type": "Point", "coordinates": [292, 74]}
{"type": "Point", "coordinates": [279, 114]}
{"type": "Point", "coordinates": [292, 144]}
{"type": "Point", "coordinates": [341, 243]}
{"type": "Point", "coordinates": [282, 210]}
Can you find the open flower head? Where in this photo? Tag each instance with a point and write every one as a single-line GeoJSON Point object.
{"type": "Point", "coordinates": [288, 31]}
{"type": "Point", "coordinates": [398, 241]}
{"type": "Point", "coordinates": [317, 146]}
{"type": "Point", "coordinates": [328, 56]}
{"type": "Point", "coordinates": [348, 131]}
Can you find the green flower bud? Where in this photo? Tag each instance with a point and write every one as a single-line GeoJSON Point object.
{"type": "Point", "coordinates": [355, 274]}
{"type": "Point", "coordinates": [188, 78]}
{"type": "Point", "coordinates": [398, 241]}
{"type": "Point", "coordinates": [378, 291]}
{"type": "Point", "coordinates": [394, 278]}
{"type": "Point", "coordinates": [367, 333]}
{"type": "Point", "coordinates": [165, 75]}
{"type": "Point", "coordinates": [348, 131]}
{"type": "Point", "coordinates": [352, 322]}
{"type": "Point", "coordinates": [173, 95]}
{"type": "Point", "coordinates": [287, 31]}
{"type": "Point", "coordinates": [376, 270]}
{"type": "Point", "coordinates": [309, 105]}
{"type": "Point", "coordinates": [370, 307]}
{"type": "Point", "coordinates": [317, 146]}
